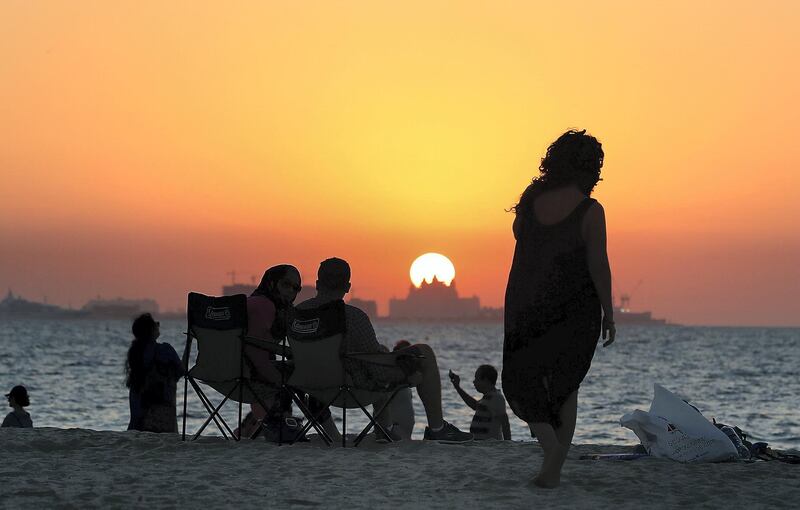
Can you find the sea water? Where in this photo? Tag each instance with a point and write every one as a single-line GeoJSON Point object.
{"type": "Point", "coordinates": [74, 372]}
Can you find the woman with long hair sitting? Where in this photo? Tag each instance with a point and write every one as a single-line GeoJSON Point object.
{"type": "Point", "coordinates": [269, 312]}
{"type": "Point", "coordinates": [152, 371]}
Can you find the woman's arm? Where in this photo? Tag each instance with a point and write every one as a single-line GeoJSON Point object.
{"type": "Point", "coordinates": [167, 355]}
{"type": "Point", "coordinates": [594, 234]}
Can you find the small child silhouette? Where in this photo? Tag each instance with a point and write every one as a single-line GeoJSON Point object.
{"type": "Point", "coordinates": [17, 399]}
{"type": "Point", "coordinates": [490, 420]}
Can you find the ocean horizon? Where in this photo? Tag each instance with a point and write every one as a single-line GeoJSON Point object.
{"type": "Point", "coordinates": [743, 376]}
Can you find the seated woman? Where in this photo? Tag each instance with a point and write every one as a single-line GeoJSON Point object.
{"type": "Point", "coordinates": [269, 311]}
{"type": "Point", "coordinates": [17, 399]}
{"type": "Point", "coordinates": [152, 371]}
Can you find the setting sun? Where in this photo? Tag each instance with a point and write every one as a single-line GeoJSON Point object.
{"type": "Point", "coordinates": [432, 265]}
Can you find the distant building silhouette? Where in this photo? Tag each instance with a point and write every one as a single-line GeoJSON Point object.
{"type": "Point", "coordinates": [238, 288]}
{"type": "Point", "coordinates": [307, 292]}
{"type": "Point", "coordinates": [368, 306]}
{"type": "Point", "coordinates": [119, 308]}
{"type": "Point", "coordinates": [435, 300]}
{"type": "Point", "coordinates": [16, 307]}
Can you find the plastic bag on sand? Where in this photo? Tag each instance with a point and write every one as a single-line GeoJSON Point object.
{"type": "Point", "coordinates": [676, 430]}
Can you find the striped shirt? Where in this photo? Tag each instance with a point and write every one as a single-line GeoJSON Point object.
{"type": "Point", "coordinates": [488, 420]}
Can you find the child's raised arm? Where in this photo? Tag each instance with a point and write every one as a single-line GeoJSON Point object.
{"type": "Point", "coordinates": [456, 380]}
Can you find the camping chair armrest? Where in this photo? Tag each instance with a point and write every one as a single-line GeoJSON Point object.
{"type": "Point", "coordinates": [268, 344]}
{"type": "Point", "coordinates": [388, 359]}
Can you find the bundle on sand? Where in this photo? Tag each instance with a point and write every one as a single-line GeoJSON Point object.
{"type": "Point", "coordinates": [54, 468]}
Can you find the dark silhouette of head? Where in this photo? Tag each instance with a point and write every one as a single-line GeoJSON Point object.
{"type": "Point", "coordinates": [574, 159]}
{"type": "Point", "coordinates": [19, 396]}
{"type": "Point", "coordinates": [144, 328]}
{"type": "Point", "coordinates": [333, 277]}
{"type": "Point", "coordinates": [401, 344]}
{"type": "Point", "coordinates": [145, 331]}
{"type": "Point", "coordinates": [280, 284]}
{"type": "Point", "coordinates": [487, 372]}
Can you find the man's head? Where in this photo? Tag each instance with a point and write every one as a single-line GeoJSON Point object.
{"type": "Point", "coordinates": [333, 277]}
{"type": "Point", "coordinates": [485, 378]}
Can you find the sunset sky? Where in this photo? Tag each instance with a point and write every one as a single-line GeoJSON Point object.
{"type": "Point", "coordinates": [148, 148]}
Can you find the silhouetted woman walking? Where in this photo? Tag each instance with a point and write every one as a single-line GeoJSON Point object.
{"type": "Point", "coordinates": [558, 297]}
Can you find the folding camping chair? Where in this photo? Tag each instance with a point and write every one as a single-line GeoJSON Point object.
{"type": "Point", "coordinates": [219, 324]}
{"type": "Point", "coordinates": [316, 337]}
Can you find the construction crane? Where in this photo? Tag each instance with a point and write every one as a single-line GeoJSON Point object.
{"type": "Point", "coordinates": [625, 298]}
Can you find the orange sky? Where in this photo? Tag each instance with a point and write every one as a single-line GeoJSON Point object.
{"type": "Point", "coordinates": [148, 148]}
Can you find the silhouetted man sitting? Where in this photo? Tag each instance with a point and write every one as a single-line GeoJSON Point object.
{"type": "Point", "coordinates": [333, 282]}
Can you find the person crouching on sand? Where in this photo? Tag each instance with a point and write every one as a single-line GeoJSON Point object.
{"type": "Point", "coordinates": [490, 420]}
{"type": "Point", "coordinates": [17, 399]}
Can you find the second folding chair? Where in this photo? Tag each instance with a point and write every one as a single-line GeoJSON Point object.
{"type": "Point", "coordinates": [317, 340]}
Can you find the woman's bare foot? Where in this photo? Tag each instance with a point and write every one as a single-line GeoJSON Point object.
{"type": "Point", "coordinates": [542, 483]}
{"type": "Point", "coordinates": [549, 476]}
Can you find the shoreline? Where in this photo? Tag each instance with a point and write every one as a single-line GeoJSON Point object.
{"type": "Point", "coordinates": [72, 468]}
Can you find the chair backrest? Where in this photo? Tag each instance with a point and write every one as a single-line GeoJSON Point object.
{"type": "Point", "coordinates": [219, 325]}
{"type": "Point", "coordinates": [316, 336]}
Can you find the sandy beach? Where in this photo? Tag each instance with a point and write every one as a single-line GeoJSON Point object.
{"type": "Point", "coordinates": [75, 468]}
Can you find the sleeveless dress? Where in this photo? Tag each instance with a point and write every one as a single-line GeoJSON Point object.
{"type": "Point", "coordinates": [552, 316]}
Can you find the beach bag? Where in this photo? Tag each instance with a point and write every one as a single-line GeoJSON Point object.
{"type": "Point", "coordinates": [283, 430]}
{"type": "Point", "coordinates": [677, 430]}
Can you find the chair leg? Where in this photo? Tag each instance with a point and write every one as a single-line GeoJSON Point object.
{"type": "Point", "coordinates": [313, 420]}
{"type": "Point", "coordinates": [209, 407]}
{"type": "Point", "coordinates": [373, 419]}
{"type": "Point", "coordinates": [344, 417]}
{"type": "Point", "coordinates": [185, 394]}
{"type": "Point", "coordinates": [265, 406]}
{"type": "Point", "coordinates": [216, 413]}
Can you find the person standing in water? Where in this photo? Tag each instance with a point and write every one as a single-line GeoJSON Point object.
{"type": "Point", "coordinates": [152, 371]}
{"type": "Point", "coordinates": [558, 298]}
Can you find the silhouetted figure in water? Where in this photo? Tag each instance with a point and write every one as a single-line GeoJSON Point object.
{"type": "Point", "coordinates": [19, 418]}
{"type": "Point", "coordinates": [558, 298]}
{"type": "Point", "coordinates": [152, 369]}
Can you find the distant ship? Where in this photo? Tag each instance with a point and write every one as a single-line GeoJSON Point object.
{"type": "Point", "coordinates": [624, 315]}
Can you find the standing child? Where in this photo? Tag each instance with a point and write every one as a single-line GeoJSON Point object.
{"type": "Point", "coordinates": [490, 420]}
{"type": "Point", "coordinates": [17, 399]}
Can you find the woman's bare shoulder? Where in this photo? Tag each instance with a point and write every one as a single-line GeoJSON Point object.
{"type": "Point", "coordinates": [595, 212]}
{"type": "Point", "coordinates": [594, 221]}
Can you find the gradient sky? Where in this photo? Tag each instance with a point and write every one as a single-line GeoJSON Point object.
{"type": "Point", "coordinates": [148, 148]}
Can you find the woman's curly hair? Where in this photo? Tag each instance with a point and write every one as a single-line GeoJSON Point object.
{"type": "Point", "coordinates": [575, 158]}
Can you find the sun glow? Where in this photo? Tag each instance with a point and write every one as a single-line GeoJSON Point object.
{"type": "Point", "coordinates": [432, 265]}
